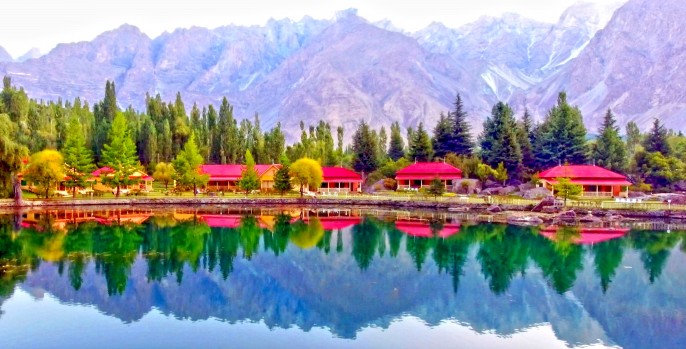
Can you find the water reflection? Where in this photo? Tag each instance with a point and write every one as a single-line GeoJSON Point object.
{"type": "Point", "coordinates": [345, 271]}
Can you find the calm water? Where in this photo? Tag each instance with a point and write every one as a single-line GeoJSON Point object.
{"type": "Point", "coordinates": [333, 278]}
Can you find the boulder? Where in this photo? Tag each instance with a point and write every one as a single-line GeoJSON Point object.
{"type": "Point", "coordinates": [566, 216]}
{"type": "Point", "coordinates": [546, 202]}
{"type": "Point", "coordinates": [494, 209]}
{"type": "Point", "coordinates": [508, 190]}
{"type": "Point", "coordinates": [525, 186]}
{"type": "Point", "coordinates": [680, 185]}
{"type": "Point", "coordinates": [549, 209]}
{"type": "Point", "coordinates": [537, 193]}
{"type": "Point", "coordinates": [491, 191]}
{"type": "Point", "coordinates": [676, 199]}
{"type": "Point", "coordinates": [491, 184]}
{"type": "Point", "coordinates": [590, 218]}
{"type": "Point", "coordinates": [467, 186]}
{"type": "Point", "coordinates": [525, 220]}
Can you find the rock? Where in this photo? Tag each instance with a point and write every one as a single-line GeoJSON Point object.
{"type": "Point", "coordinates": [467, 186]}
{"type": "Point", "coordinates": [566, 216]}
{"type": "Point", "coordinates": [494, 209]}
{"type": "Point", "coordinates": [491, 191]}
{"type": "Point", "coordinates": [589, 218]}
{"type": "Point", "coordinates": [515, 182]}
{"type": "Point", "coordinates": [549, 209]}
{"type": "Point", "coordinates": [491, 184]}
{"type": "Point", "coordinates": [680, 185]}
{"type": "Point", "coordinates": [526, 186]}
{"type": "Point", "coordinates": [676, 199]}
{"type": "Point", "coordinates": [537, 193]}
{"type": "Point", "coordinates": [546, 202]}
{"type": "Point", "coordinates": [637, 194]}
{"type": "Point", "coordinates": [507, 190]}
{"type": "Point", "coordinates": [525, 220]}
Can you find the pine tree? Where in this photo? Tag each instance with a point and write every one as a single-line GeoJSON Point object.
{"type": "Point", "coordinates": [187, 166]}
{"type": "Point", "coordinates": [525, 139]}
{"type": "Point", "coordinates": [420, 146]}
{"type": "Point", "coordinates": [633, 138]}
{"type": "Point", "coordinates": [609, 150]}
{"type": "Point", "coordinates": [78, 159]}
{"type": "Point", "coordinates": [249, 179]}
{"type": "Point", "coordinates": [364, 150]}
{"type": "Point", "coordinates": [119, 154]}
{"type": "Point", "coordinates": [396, 148]}
{"type": "Point", "coordinates": [499, 139]}
{"type": "Point", "coordinates": [282, 177]}
{"type": "Point", "coordinates": [656, 140]}
{"type": "Point", "coordinates": [461, 140]}
{"type": "Point", "coordinates": [443, 133]}
{"type": "Point", "coordinates": [561, 138]}
{"type": "Point", "coordinates": [104, 113]}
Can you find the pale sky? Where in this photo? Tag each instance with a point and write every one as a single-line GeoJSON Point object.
{"type": "Point", "coordinates": [45, 23]}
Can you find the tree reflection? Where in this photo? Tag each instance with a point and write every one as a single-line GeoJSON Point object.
{"type": "Point", "coordinates": [365, 239]}
{"type": "Point", "coordinates": [560, 259]}
{"type": "Point", "coordinates": [654, 248]}
{"type": "Point", "coordinates": [503, 253]}
{"type": "Point", "coordinates": [607, 257]}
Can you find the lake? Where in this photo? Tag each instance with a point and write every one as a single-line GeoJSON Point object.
{"type": "Point", "coordinates": [333, 278]}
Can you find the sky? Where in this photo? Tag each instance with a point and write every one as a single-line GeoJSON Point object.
{"type": "Point", "coordinates": [42, 24]}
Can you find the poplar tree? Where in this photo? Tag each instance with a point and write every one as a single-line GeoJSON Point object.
{"type": "Point", "coordinates": [364, 150]}
{"type": "Point", "coordinates": [396, 148]}
{"type": "Point", "coordinates": [119, 154]}
{"type": "Point", "coordinates": [609, 150]}
{"type": "Point", "coordinates": [499, 139]}
{"type": "Point", "coordinates": [78, 159]}
{"type": "Point", "coordinates": [561, 138]}
{"type": "Point", "coordinates": [420, 146]}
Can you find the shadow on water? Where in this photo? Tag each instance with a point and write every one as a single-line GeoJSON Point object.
{"type": "Point", "coordinates": [348, 270]}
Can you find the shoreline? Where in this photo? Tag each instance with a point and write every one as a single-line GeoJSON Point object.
{"type": "Point", "coordinates": [445, 206]}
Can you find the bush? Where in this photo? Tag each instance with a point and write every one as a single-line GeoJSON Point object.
{"type": "Point", "coordinates": [641, 187]}
{"type": "Point", "coordinates": [390, 183]}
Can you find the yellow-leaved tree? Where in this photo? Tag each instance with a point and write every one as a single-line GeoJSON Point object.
{"type": "Point", "coordinates": [306, 172]}
{"type": "Point", "coordinates": [47, 169]}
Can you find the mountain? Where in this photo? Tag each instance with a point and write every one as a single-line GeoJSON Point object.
{"type": "Point", "coordinates": [347, 69]}
{"type": "Point", "coordinates": [4, 55]}
{"type": "Point", "coordinates": [30, 54]}
{"type": "Point", "coordinates": [638, 72]}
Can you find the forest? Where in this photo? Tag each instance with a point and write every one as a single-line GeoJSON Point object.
{"type": "Point", "coordinates": [510, 148]}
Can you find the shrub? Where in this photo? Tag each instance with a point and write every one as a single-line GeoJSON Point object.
{"type": "Point", "coordinates": [390, 183]}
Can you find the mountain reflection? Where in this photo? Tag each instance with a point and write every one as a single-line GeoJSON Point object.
{"type": "Point", "coordinates": [345, 271]}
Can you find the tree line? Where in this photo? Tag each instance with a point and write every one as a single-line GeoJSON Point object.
{"type": "Point", "coordinates": [509, 148]}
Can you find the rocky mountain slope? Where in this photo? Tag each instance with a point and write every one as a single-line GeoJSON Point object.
{"type": "Point", "coordinates": [4, 55]}
{"type": "Point", "coordinates": [347, 69]}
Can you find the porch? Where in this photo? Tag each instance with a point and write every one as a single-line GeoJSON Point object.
{"type": "Point", "coordinates": [407, 184]}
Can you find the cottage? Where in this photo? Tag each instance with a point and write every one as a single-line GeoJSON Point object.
{"type": "Point", "coordinates": [141, 180]}
{"type": "Point", "coordinates": [420, 174]}
{"type": "Point", "coordinates": [226, 177]}
{"type": "Point", "coordinates": [595, 180]}
{"type": "Point", "coordinates": [340, 180]}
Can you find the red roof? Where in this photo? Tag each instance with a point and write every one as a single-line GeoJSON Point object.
{"type": "Point", "coordinates": [337, 174]}
{"type": "Point", "coordinates": [423, 229]}
{"type": "Point", "coordinates": [584, 174]}
{"type": "Point", "coordinates": [335, 223]}
{"type": "Point", "coordinates": [148, 178]}
{"type": "Point", "coordinates": [102, 170]}
{"type": "Point", "coordinates": [429, 170]}
{"type": "Point", "coordinates": [589, 236]}
{"type": "Point", "coordinates": [231, 172]}
{"type": "Point", "coordinates": [221, 221]}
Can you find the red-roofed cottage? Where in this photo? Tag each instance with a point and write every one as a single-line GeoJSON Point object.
{"type": "Point", "coordinates": [226, 177]}
{"type": "Point", "coordinates": [340, 180]}
{"type": "Point", "coordinates": [142, 181]}
{"type": "Point", "coordinates": [420, 174]}
{"type": "Point", "coordinates": [595, 180]}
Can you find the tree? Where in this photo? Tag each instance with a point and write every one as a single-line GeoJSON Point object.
{"type": "Point", "coordinates": [562, 136]}
{"type": "Point", "coordinates": [420, 145]}
{"type": "Point", "coordinates": [78, 159]}
{"type": "Point", "coordinates": [282, 177]}
{"type": "Point", "coordinates": [47, 169]}
{"type": "Point", "coordinates": [119, 154]}
{"type": "Point", "coordinates": [443, 133]}
{"type": "Point", "coordinates": [659, 170]}
{"type": "Point", "coordinates": [525, 138]}
{"type": "Point", "coordinates": [483, 172]}
{"type": "Point", "coordinates": [499, 139]}
{"type": "Point", "coordinates": [249, 179]}
{"type": "Point", "coordinates": [609, 150]}
{"type": "Point", "coordinates": [461, 140]}
{"type": "Point", "coordinates": [11, 155]}
{"type": "Point", "coordinates": [656, 140]}
{"type": "Point", "coordinates": [306, 172]}
{"type": "Point", "coordinates": [500, 173]}
{"type": "Point", "coordinates": [396, 148]}
{"type": "Point", "coordinates": [364, 150]}
{"type": "Point", "coordinates": [566, 189]}
{"type": "Point", "coordinates": [437, 188]}
{"type": "Point", "coordinates": [165, 173]}
{"type": "Point", "coordinates": [187, 165]}
{"type": "Point", "coordinates": [633, 137]}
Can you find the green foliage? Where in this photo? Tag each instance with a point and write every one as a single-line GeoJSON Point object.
{"type": "Point", "coordinates": [437, 188]}
{"type": "Point", "coordinates": [525, 138]}
{"type": "Point", "coordinates": [499, 139]}
{"type": "Point", "coordinates": [443, 134]}
{"type": "Point", "coordinates": [282, 178]}
{"type": "Point", "coordinates": [562, 136]}
{"type": "Point", "coordinates": [165, 173]}
{"type": "Point", "coordinates": [461, 140]}
{"type": "Point", "coordinates": [187, 165]}
{"type": "Point", "coordinates": [249, 179]}
{"type": "Point", "coordinates": [483, 172]}
{"type": "Point", "coordinates": [390, 167]}
{"type": "Point", "coordinates": [119, 154]}
{"type": "Point", "coordinates": [364, 149]}
{"type": "Point", "coordinates": [78, 159]}
{"type": "Point", "coordinates": [467, 163]}
{"type": "Point", "coordinates": [633, 138]}
{"type": "Point", "coordinates": [11, 155]}
{"type": "Point", "coordinates": [420, 145]}
{"type": "Point", "coordinates": [396, 148]}
{"type": "Point", "coordinates": [500, 173]}
{"type": "Point", "coordinates": [656, 140]}
{"type": "Point", "coordinates": [609, 150]}
{"type": "Point", "coordinates": [566, 189]}
{"type": "Point", "coordinates": [47, 169]}
{"type": "Point", "coordinates": [306, 172]}
{"type": "Point", "coordinates": [658, 170]}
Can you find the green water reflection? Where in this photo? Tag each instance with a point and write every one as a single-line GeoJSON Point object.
{"type": "Point", "coordinates": [348, 272]}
